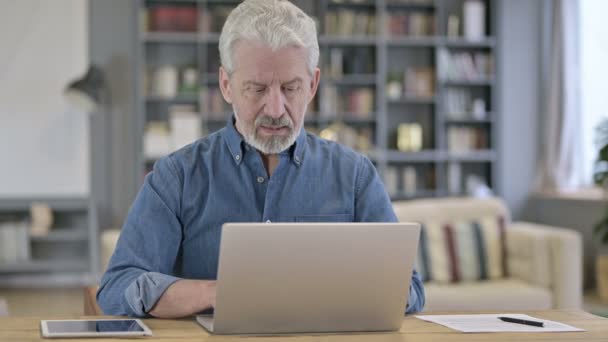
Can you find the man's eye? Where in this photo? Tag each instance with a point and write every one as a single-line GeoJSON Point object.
{"type": "Point", "coordinates": [290, 88]}
{"type": "Point", "coordinates": [259, 89]}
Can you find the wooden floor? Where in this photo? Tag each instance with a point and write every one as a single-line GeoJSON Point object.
{"type": "Point", "coordinates": [36, 302]}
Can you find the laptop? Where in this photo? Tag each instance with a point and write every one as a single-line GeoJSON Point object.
{"type": "Point", "coordinates": [312, 277]}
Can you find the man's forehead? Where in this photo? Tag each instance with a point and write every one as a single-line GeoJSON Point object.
{"type": "Point", "coordinates": [266, 78]}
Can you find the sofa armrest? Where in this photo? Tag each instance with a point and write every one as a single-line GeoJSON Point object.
{"type": "Point", "coordinates": [549, 257]}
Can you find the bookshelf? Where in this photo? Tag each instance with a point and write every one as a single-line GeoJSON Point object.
{"type": "Point", "coordinates": [66, 255]}
{"type": "Point", "coordinates": [410, 83]}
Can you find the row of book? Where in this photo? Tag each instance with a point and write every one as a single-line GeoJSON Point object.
{"type": "Point", "coordinates": [415, 24]}
{"type": "Point", "coordinates": [351, 60]}
{"type": "Point", "coordinates": [184, 127]}
{"type": "Point", "coordinates": [358, 138]}
{"type": "Point", "coordinates": [168, 81]}
{"type": "Point", "coordinates": [415, 82]}
{"type": "Point", "coordinates": [466, 139]}
{"type": "Point", "coordinates": [14, 242]}
{"type": "Point", "coordinates": [460, 104]}
{"type": "Point", "coordinates": [348, 22]}
{"type": "Point", "coordinates": [359, 102]}
{"type": "Point", "coordinates": [408, 180]}
{"type": "Point", "coordinates": [465, 66]}
{"type": "Point", "coordinates": [183, 18]}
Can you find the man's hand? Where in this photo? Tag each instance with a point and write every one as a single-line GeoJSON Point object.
{"type": "Point", "coordinates": [184, 298]}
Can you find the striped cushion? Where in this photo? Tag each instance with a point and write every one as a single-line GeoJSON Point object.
{"type": "Point", "coordinates": [452, 252]}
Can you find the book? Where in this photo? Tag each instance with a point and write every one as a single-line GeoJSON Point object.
{"type": "Point", "coordinates": [186, 125]}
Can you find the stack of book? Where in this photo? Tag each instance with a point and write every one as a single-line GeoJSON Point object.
{"type": "Point", "coordinates": [419, 82]}
{"type": "Point", "coordinates": [213, 20]}
{"type": "Point", "coordinates": [415, 24]}
{"type": "Point", "coordinates": [171, 18]}
{"type": "Point", "coordinates": [14, 242]}
{"type": "Point", "coordinates": [465, 66]}
{"type": "Point", "coordinates": [184, 127]}
{"type": "Point", "coordinates": [348, 22]}
{"type": "Point", "coordinates": [467, 139]}
{"type": "Point", "coordinates": [350, 61]}
{"type": "Point", "coordinates": [357, 102]}
{"type": "Point", "coordinates": [212, 103]}
{"type": "Point", "coordinates": [457, 103]}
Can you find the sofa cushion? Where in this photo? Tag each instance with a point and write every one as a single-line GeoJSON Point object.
{"type": "Point", "coordinates": [459, 250]}
{"type": "Point", "coordinates": [505, 294]}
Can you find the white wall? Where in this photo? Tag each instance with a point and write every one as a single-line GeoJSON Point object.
{"type": "Point", "coordinates": [43, 142]}
{"type": "Point", "coordinates": [519, 22]}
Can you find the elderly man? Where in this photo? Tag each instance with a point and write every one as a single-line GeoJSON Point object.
{"type": "Point", "coordinates": [261, 167]}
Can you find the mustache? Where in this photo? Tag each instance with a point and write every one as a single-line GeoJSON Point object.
{"type": "Point", "coordinates": [265, 120]}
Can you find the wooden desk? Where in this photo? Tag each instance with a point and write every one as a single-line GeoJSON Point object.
{"type": "Point", "coordinates": [413, 329]}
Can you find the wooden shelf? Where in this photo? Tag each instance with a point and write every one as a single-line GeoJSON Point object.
{"type": "Point", "coordinates": [472, 156]}
{"type": "Point", "coordinates": [63, 235]}
{"type": "Point", "coordinates": [56, 203]}
{"type": "Point", "coordinates": [397, 156]}
{"type": "Point", "coordinates": [485, 43]}
{"type": "Point", "coordinates": [355, 40]}
{"type": "Point", "coordinates": [407, 100]}
{"type": "Point", "coordinates": [45, 266]}
{"type": "Point", "coordinates": [488, 82]}
{"type": "Point", "coordinates": [353, 80]}
{"type": "Point", "coordinates": [189, 99]}
{"type": "Point", "coordinates": [411, 41]}
{"type": "Point", "coordinates": [181, 37]}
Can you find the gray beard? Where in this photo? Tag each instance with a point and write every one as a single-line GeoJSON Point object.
{"type": "Point", "coordinates": [273, 144]}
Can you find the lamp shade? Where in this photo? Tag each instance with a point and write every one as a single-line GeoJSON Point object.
{"type": "Point", "coordinates": [86, 93]}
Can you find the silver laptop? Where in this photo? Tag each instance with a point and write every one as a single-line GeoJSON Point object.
{"type": "Point", "coordinates": [312, 277]}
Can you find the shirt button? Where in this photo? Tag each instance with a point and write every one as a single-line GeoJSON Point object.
{"type": "Point", "coordinates": [260, 179]}
{"type": "Point", "coordinates": [237, 157]}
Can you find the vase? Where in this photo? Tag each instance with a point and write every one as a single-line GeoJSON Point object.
{"type": "Point", "coordinates": [601, 270]}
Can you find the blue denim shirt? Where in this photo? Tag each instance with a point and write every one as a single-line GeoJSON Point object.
{"type": "Point", "coordinates": [173, 228]}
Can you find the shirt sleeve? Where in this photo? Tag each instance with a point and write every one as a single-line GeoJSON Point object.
{"type": "Point", "coordinates": [144, 261]}
{"type": "Point", "coordinates": [372, 204]}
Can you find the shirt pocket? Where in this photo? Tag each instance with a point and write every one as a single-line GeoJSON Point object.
{"type": "Point", "coordinates": [325, 218]}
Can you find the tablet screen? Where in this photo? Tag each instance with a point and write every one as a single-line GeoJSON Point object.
{"type": "Point", "coordinates": [110, 326]}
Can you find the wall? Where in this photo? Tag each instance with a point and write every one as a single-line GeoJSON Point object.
{"type": "Point", "coordinates": [43, 143]}
{"type": "Point", "coordinates": [112, 47]}
{"type": "Point", "coordinates": [519, 25]}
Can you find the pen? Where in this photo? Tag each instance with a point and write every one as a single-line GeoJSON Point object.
{"type": "Point", "coordinates": [521, 321]}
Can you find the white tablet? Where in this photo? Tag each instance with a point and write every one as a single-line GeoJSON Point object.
{"type": "Point", "coordinates": [94, 328]}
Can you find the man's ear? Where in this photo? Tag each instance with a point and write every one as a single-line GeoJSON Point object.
{"type": "Point", "coordinates": [225, 85]}
{"type": "Point", "coordinates": [314, 83]}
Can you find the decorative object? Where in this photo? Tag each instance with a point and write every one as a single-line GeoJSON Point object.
{"type": "Point", "coordinates": [42, 219]}
{"type": "Point", "coordinates": [186, 125]}
{"type": "Point", "coordinates": [453, 26]}
{"type": "Point", "coordinates": [474, 14]}
{"type": "Point", "coordinates": [164, 81]}
{"type": "Point", "coordinates": [479, 109]}
{"type": "Point", "coordinates": [394, 87]}
{"type": "Point", "coordinates": [409, 137]}
{"type": "Point", "coordinates": [340, 133]}
{"type": "Point", "coordinates": [409, 181]}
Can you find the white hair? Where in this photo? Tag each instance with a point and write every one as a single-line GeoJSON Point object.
{"type": "Point", "coordinates": [278, 23]}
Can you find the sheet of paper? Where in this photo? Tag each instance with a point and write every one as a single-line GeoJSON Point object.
{"type": "Point", "coordinates": [491, 323]}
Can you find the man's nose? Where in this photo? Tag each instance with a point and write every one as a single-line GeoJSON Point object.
{"type": "Point", "coordinates": [275, 102]}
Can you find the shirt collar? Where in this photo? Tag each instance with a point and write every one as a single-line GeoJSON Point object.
{"type": "Point", "coordinates": [235, 143]}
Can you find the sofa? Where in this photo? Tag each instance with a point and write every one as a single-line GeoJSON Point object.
{"type": "Point", "coordinates": [543, 264]}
